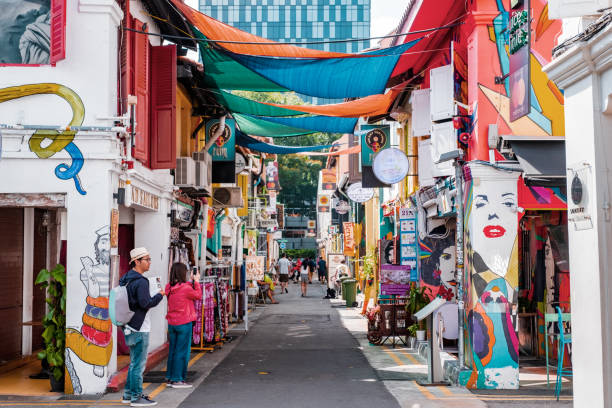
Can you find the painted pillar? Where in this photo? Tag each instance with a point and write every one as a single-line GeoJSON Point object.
{"type": "Point", "coordinates": [89, 344]}
{"type": "Point", "coordinates": [491, 278]}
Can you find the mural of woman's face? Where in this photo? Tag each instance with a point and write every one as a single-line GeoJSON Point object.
{"type": "Point", "coordinates": [447, 268]}
{"type": "Point", "coordinates": [495, 227]}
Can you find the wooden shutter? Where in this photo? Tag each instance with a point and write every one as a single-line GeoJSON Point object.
{"type": "Point", "coordinates": [58, 31]}
{"type": "Point", "coordinates": [141, 72]}
{"type": "Point", "coordinates": [163, 107]}
{"type": "Point", "coordinates": [126, 44]}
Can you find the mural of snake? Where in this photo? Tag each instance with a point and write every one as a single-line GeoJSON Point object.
{"type": "Point", "coordinates": [60, 140]}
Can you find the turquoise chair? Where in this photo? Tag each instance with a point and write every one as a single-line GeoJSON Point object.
{"type": "Point", "coordinates": [551, 318]}
{"type": "Point", "coordinates": [565, 338]}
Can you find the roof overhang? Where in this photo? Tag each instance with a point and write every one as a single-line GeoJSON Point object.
{"type": "Point", "coordinates": [542, 159]}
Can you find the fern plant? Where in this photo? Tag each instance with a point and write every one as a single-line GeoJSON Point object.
{"type": "Point", "coordinates": [54, 322]}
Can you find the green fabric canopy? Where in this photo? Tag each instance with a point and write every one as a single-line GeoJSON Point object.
{"type": "Point", "coordinates": [259, 127]}
{"type": "Point", "coordinates": [239, 104]}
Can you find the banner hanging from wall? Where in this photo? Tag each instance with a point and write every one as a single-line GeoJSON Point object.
{"type": "Point", "coordinates": [349, 238]}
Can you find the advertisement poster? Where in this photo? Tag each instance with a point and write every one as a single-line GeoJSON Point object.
{"type": "Point", "coordinates": [224, 149]}
{"type": "Point", "coordinates": [272, 183]}
{"type": "Point", "coordinates": [333, 262]}
{"type": "Point", "coordinates": [323, 204]}
{"type": "Point", "coordinates": [394, 280]}
{"type": "Point", "coordinates": [255, 266]}
{"type": "Point", "coordinates": [349, 238]}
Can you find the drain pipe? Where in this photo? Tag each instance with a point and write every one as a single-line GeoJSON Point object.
{"type": "Point", "coordinates": [459, 256]}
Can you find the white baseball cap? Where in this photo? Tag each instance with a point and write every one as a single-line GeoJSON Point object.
{"type": "Point", "coordinates": [138, 253]}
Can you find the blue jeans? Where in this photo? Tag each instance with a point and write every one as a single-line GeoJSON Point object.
{"type": "Point", "coordinates": [138, 343]}
{"type": "Point", "coordinates": [179, 337]}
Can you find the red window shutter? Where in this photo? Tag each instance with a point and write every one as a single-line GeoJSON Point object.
{"type": "Point", "coordinates": [126, 44]}
{"type": "Point", "coordinates": [163, 107]}
{"type": "Point", "coordinates": [142, 78]}
{"type": "Point", "coordinates": [58, 31]}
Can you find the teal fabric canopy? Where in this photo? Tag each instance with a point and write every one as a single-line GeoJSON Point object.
{"type": "Point", "coordinates": [254, 144]}
{"type": "Point", "coordinates": [239, 104]}
{"type": "Point", "coordinates": [326, 124]}
{"type": "Point", "coordinates": [258, 127]}
{"type": "Point", "coordinates": [333, 78]}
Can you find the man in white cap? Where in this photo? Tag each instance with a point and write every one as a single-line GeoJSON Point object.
{"type": "Point", "coordinates": [137, 330]}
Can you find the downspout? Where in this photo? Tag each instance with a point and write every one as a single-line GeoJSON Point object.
{"type": "Point", "coordinates": [459, 256]}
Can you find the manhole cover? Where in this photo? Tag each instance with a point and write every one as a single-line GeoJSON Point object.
{"type": "Point", "coordinates": [295, 319]}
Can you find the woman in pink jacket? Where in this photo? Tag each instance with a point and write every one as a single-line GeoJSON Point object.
{"type": "Point", "coordinates": [181, 314]}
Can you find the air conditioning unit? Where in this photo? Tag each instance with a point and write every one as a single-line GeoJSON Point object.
{"type": "Point", "coordinates": [203, 170]}
{"type": "Point", "coordinates": [185, 173]}
{"type": "Point", "coordinates": [227, 197]}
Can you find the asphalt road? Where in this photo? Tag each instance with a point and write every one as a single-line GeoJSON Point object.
{"type": "Point", "coordinates": [298, 354]}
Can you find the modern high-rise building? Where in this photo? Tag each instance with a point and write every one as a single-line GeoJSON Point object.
{"type": "Point", "coordinates": [299, 21]}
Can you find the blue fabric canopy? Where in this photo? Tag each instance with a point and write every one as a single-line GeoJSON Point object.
{"type": "Point", "coordinates": [333, 78]}
{"type": "Point", "coordinates": [319, 123]}
{"type": "Point", "coordinates": [254, 144]}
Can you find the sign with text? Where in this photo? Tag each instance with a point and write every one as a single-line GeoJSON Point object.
{"type": "Point", "coordinates": [224, 148]}
{"type": "Point", "coordinates": [328, 179]}
{"type": "Point", "coordinates": [409, 241]}
{"type": "Point", "coordinates": [519, 79]}
{"type": "Point", "coordinates": [323, 204]}
{"type": "Point", "coordinates": [349, 238]}
{"type": "Point", "coordinates": [394, 280]}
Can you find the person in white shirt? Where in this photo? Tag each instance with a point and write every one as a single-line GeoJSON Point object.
{"type": "Point", "coordinates": [283, 273]}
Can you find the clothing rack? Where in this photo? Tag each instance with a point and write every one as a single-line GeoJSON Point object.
{"type": "Point", "coordinates": [220, 312]}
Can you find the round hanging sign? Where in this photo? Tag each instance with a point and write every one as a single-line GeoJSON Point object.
{"type": "Point", "coordinates": [359, 194]}
{"type": "Point", "coordinates": [240, 162]}
{"type": "Point", "coordinates": [342, 207]}
{"type": "Point", "coordinates": [390, 165]}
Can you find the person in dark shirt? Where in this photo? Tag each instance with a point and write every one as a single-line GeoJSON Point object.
{"type": "Point", "coordinates": [322, 270]}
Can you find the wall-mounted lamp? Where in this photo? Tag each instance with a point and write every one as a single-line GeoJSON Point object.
{"type": "Point", "coordinates": [120, 195]}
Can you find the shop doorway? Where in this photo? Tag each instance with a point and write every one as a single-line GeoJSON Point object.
{"type": "Point", "coordinates": [125, 245]}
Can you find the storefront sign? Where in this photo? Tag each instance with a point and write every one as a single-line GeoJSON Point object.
{"type": "Point", "coordinates": [333, 229]}
{"type": "Point", "coordinates": [408, 241]}
{"type": "Point", "coordinates": [272, 183]}
{"type": "Point", "coordinates": [255, 267]}
{"type": "Point", "coordinates": [373, 140]}
{"type": "Point", "coordinates": [394, 280]}
{"type": "Point", "coordinates": [143, 199]}
{"type": "Point", "coordinates": [312, 224]}
{"type": "Point", "coordinates": [359, 194]}
{"type": "Point", "coordinates": [349, 238]}
{"type": "Point", "coordinates": [342, 207]}
{"type": "Point", "coordinates": [578, 206]}
{"type": "Point", "coordinates": [224, 148]}
{"type": "Point", "coordinates": [323, 204]}
{"type": "Point", "coordinates": [390, 165]}
{"type": "Point", "coordinates": [519, 78]}
{"type": "Point", "coordinates": [114, 228]}
{"type": "Point", "coordinates": [328, 179]}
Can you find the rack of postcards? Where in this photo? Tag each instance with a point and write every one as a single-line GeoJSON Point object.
{"type": "Point", "coordinates": [211, 327]}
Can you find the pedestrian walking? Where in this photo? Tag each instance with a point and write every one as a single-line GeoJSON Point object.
{"type": "Point", "coordinates": [322, 270]}
{"type": "Point", "coordinates": [304, 276]}
{"type": "Point", "coordinates": [181, 315]}
{"type": "Point", "coordinates": [311, 269]}
{"type": "Point", "coordinates": [137, 330]}
{"type": "Point", "coordinates": [283, 273]}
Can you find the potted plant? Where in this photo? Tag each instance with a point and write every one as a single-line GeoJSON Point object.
{"type": "Point", "coordinates": [54, 323]}
{"type": "Point", "coordinates": [369, 267]}
{"type": "Point", "coordinates": [417, 299]}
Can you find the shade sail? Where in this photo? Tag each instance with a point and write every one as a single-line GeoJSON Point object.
{"type": "Point", "coordinates": [254, 144]}
{"type": "Point", "coordinates": [326, 124]}
{"type": "Point", "coordinates": [258, 127]}
{"type": "Point", "coordinates": [350, 150]}
{"type": "Point", "coordinates": [372, 105]}
{"type": "Point", "coordinates": [238, 104]}
{"type": "Point", "coordinates": [332, 78]}
{"type": "Point", "coordinates": [216, 30]}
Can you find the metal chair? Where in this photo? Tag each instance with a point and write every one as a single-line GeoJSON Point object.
{"type": "Point", "coordinates": [552, 318]}
{"type": "Point", "coordinates": [565, 338]}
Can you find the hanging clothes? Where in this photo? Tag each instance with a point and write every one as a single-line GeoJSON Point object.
{"type": "Point", "coordinates": [209, 312]}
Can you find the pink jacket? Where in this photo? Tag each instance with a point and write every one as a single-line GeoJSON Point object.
{"type": "Point", "coordinates": [181, 296]}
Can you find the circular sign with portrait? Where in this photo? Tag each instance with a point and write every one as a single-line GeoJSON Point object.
{"type": "Point", "coordinates": [390, 165]}
{"type": "Point", "coordinates": [376, 139]}
{"type": "Point", "coordinates": [359, 194]}
{"type": "Point", "coordinates": [225, 136]}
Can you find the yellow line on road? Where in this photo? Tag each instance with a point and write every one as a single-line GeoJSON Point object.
{"type": "Point", "coordinates": [157, 390]}
{"type": "Point", "coordinates": [411, 358]}
{"type": "Point", "coordinates": [393, 356]}
{"type": "Point", "coordinates": [424, 391]}
{"type": "Point", "coordinates": [445, 391]}
{"type": "Point", "coordinates": [194, 359]}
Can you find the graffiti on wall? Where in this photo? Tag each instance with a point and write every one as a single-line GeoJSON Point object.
{"type": "Point", "coordinates": [492, 290]}
{"type": "Point", "coordinates": [46, 143]}
{"type": "Point", "coordinates": [437, 257]}
{"type": "Point", "coordinates": [89, 347]}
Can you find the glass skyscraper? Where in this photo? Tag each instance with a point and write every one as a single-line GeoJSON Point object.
{"type": "Point", "coordinates": [298, 20]}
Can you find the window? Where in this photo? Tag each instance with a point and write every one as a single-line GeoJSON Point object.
{"type": "Point", "coordinates": [33, 33]}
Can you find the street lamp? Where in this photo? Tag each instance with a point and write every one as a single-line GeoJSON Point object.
{"type": "Point", "coordinates": [457, 157]}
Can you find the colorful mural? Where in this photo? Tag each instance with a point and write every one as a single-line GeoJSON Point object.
{"type": "Point", "coordinates": [437, 257]}
{"type": "Point", "coordinates": [25, 32]}
{"type": "Point", "coordinates": [88, 349]}
{"type": "Point", "coordinates": [491, 222]}
{"type": "Point", "coordinates": [39, 141]}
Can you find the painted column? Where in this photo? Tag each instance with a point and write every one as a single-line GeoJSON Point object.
{"type": "Point", "coordinates": [491, 272]}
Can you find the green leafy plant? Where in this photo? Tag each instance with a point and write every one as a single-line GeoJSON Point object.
{"type": "Point", "coordinates": [417, 299]}
{"type": "Point", "coordinates": [412, 329]}
{"type": "Point", "coordinates": [54, 322]}
{"type": "Point", "coordinates": [369, 265]}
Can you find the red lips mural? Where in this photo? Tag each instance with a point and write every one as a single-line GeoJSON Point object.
{"type": "Point", "coordinates": [494, 231]}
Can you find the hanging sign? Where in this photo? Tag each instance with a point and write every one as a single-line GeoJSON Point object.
{"type": "Point", "coordinates": [224, 148]}
{"type": "Point", "coordinates": [394, 280]}
{"type": "Point", "coordinates": [349, 238]}
{"type": "Point", "coordinates": [241, 163]}
{"type": "Point", "coordinates": [312, 224]}
{"type": "Point", "coordinates": [390, 165]}
{"type": "Point", "coordinates": [372, 141]}
{"type": "Point", "coordinates": [323, 204]}
{"type": "Point", "coordinates": [519, 79]}
{"type": "Point", "coordinates": [328, 179]}
{"type": "Point", "coordinates": [272, 183]}
{"type": "Point", "coordinates": [342, 207]}
{"type": "Point", "coordinates": [408, 241]}
{"type": "Point", "coordinates": [359, 194]}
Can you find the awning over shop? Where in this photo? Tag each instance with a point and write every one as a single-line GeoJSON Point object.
{"type": "Point", "coordinates": [542, 159]}
{"type": "Point", "coordinates": [332, 78]}
{"type": "Point", "coordinates": [372, 105]}
{"type": "Point", "coordinates": [254, 144]}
